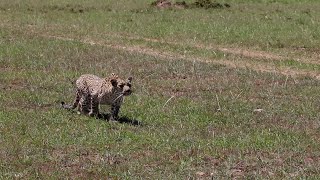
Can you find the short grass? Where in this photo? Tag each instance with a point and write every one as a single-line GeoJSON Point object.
{"type": "Point", "coordinates": [197, 119]}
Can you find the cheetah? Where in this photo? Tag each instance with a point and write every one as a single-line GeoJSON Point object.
{"type": "Point", "coordinates": [91, 91]}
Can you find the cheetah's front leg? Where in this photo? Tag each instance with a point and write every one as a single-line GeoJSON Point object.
{"type": "Point", "coordinates": [114, 112]}
{"type": "Point", "coordinates": [84, 105]}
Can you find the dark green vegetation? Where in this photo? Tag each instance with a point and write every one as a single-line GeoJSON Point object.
{"type": "Point", "coordinates": [201, 78]}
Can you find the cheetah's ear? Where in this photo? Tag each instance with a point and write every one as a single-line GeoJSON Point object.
{"type": "Point", "coordinates": [130, 79]}
{"type": "Point", "coordinates": [114, 82]}
{"type": "Point", "coordinates": [114, 76]}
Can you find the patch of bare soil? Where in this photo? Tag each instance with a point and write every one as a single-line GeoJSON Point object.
{"type": "Point", "coordinates": [162, 4]}
{"type": "Point", "coordinates": [205, 4]}
{"type": "Point", "coordinates": [77, 162]}
{"type": "Point", "coordinates": [257, 55]}
{"type": "Point", "coordinates": [244, 64]}
{"type": "Point", "coordinates": [235, 51]}
{"type": "Point", "coordinates": [72, 8]}
{"type": "Point", "coordinates": [208, 4]}
{"type": "Point", "coordinates": [250, 53]}
{"type": "Point", "coordinates": [310, 57]}
{"type": "Point", "coordinates": [15, 84]}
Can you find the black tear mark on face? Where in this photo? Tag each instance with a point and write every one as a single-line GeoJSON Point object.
{"type": "Point", "coordinates": [114, 82]}
{"type": "Point", "coordinates": [121, 85]}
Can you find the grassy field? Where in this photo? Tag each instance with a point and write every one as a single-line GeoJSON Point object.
{"type": "Point", "coordinates": [218, 93]}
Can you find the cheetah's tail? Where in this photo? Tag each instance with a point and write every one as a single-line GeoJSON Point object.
{"type": "Point", "coordinates": [65, 106]}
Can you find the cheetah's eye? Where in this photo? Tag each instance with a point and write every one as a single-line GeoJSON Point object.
{"type": "Point", "coordinates": [121, 85]}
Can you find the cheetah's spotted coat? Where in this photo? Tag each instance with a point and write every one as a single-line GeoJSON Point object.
{"type": "Point", "coordinates": [91, 91]}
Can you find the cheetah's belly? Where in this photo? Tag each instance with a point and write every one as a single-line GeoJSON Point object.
{"type": "Point", "coordinates": [110, 99]}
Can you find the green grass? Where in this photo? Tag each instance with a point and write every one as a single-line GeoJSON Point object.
{"type": "Point", "coordinates": [265, 25]}
{"type": "Point", "coordinates": [195, 117]}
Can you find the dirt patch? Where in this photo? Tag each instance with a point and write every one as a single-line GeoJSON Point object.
{"type": "Point", "coordinates": [77, 162]}
{"type": "Point", "coordinates": [256, 64]}
{"type": "Point", "coordinates": [74, 8]}
{"type": "Point", "coordinates": [161, 3]}
{"type": "Point", "coordinates": [168, 4]}
{"type": "Point", "coordinates": [236, 51]}
{"type": "Point", "coordinates": [204, 4]}
{"type": "Point", "coordinates": [14, 84]}
{"type": "Point", "coordinates": [256, 55]}
{"type": "Point", "coordinates": [208, 4]}
{"type": "Point", "coordinates": [244, 64]}
{"type": "Point", "coordinates": [251, 54]}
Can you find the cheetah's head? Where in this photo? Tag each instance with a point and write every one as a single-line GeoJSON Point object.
{"type": "Point", "coordinates": [121, 86]}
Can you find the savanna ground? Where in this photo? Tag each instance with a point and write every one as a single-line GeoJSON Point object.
{"type": "Point", "coordinates": [229, 92]}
